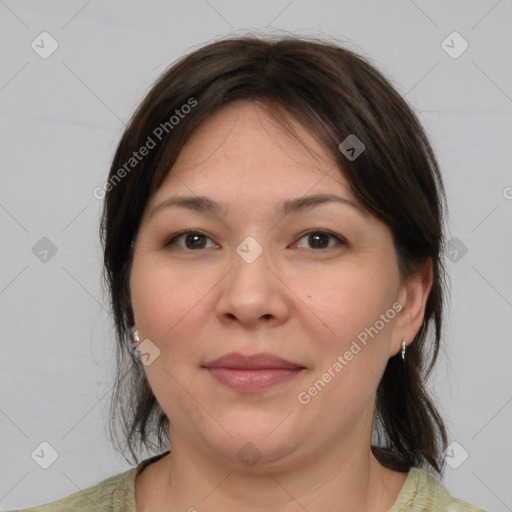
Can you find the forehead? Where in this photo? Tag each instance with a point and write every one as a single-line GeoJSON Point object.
{"type": "Point", "coordinates": [243, 149]}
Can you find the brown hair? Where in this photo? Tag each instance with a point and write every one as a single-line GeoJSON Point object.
{"type": "Point", "coordinates": [334, 93]}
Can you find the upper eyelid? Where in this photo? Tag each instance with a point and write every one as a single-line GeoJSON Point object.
{"type": "Point", "coordinates": [320, 230]}
{"type": "Point", "coordinates": [187, 232]}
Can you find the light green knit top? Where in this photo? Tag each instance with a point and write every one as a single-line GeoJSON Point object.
{"type": "Point", "coordinates": [420, 493]}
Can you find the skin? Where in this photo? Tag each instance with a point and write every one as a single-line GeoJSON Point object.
{"type": "Point", "coordinates": [297, 301]}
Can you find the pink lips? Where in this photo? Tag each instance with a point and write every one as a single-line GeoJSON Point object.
{"type": "Point", "coordinates": [252, 373]}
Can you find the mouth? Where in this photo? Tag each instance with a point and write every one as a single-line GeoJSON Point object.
{"type": "Point", "coordinates": [252, 373]}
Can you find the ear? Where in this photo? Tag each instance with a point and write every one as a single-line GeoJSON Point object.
{"type": "Point", "coordinates": [412, 297]}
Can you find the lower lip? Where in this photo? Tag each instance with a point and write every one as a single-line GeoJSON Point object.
{"type": "Point", "coordinates": [252, 380]}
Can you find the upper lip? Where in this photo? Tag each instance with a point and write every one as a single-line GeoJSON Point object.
{"type": "Point", "coordinates": [261, 361]}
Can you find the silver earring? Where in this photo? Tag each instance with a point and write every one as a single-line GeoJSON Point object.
{"type": "Point", "coordinates": [403, 349]}
{"type": "Point", "coordinates": [135, 337]}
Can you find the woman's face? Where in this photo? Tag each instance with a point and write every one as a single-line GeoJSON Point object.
{"type": "Point", "coordinates": [285, 264]}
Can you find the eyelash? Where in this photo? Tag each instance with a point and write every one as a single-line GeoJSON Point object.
{"type": "Point", "coordinates": [174, 238]}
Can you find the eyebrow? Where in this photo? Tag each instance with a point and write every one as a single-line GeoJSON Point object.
{"type": "Point", "coordinates": [306, 202]}
{"type": "Point", "coordinates": [205, 204]}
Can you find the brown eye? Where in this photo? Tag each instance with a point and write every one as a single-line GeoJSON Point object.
{"type": "Point", "coordinates": [319, 240]}
{"type": "Point", "coordinates": [195, 241]}
{"type": "Point", "coordinates": [191, 240]}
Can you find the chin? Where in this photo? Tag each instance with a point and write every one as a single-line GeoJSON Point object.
{"type": "Point", "coordinates": [255, 443]}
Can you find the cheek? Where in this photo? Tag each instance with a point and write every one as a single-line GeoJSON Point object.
{"type": "Point", "coordinates": [354, 312]}
{"type": "Point", "coordinates": [167, 300]}
{"type": "Point", "coordinates": [350, 338]}
{"type": "Point", "coordinates": [169, 310]}
{"type": "Point", "coordinates": [343, 305]}
{"type": "Point", "coordinates": [172, 308]}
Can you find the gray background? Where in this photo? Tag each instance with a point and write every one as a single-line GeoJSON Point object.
{"type": "Point", "coordinates": [61, 119]}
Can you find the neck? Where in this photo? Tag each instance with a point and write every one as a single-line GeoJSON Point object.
{"type": "Point", "coordinates": [345, 477]}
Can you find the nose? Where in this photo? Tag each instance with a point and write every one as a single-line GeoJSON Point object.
{"type": "Point", "coordinates": [253, 295]}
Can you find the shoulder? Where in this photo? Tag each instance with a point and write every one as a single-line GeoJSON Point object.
{"type": "Point", "coordinates": [111, 495]}
{"type": "Point", "coordinates": [421, 492]}
{"type": "Point", "coordinates": [115, 494]}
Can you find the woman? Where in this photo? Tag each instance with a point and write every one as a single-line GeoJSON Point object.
{"type": "Point", "coordinates": [272, 234]}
